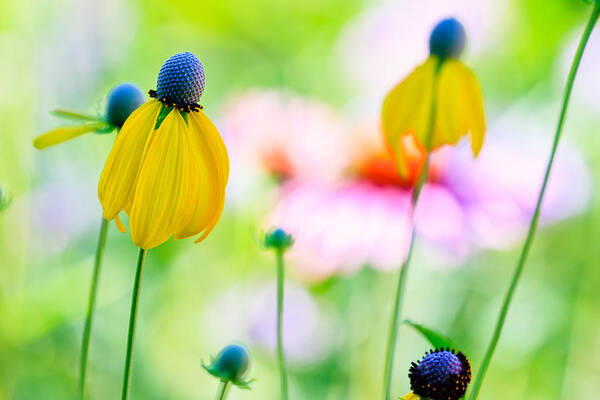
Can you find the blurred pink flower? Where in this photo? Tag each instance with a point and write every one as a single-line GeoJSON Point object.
{"type": "Point", "coordinates": [364, 218]}
{"type": "Point", "coordinates": [284, 136]}
{"type": "Point", "coordinates": [467, 204]}
{"type": "Point", "coordinates": [342, 200]}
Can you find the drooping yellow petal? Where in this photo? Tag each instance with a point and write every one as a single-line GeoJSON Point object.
{"type": "Point", "coordinates": [450, 124]}
{"type": "Point", "coordinates": [212, 167]}
{"type": "Point", "coordinates": [473, 107]}
{"type": "Point", "coordinates": [215, 143]}
{"type": "Point", "coordinates": [159, 201]}
{"type": "Point", "coordinates": [194, 177]}
{"type": "Point", "coordinates": [119, 224]}
{"type": "Point", "coordinates": [63, 134]}
{"type": "Point", "coordinates": [118, 178]}
{"type": "Point", "coordinates": [406, 108]}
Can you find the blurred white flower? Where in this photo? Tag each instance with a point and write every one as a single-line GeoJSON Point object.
{"type": "Point", "coordinates": [384, 43]}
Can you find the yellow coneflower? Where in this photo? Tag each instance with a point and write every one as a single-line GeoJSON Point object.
{"type": "Point", "coordinates": [168, 168]}
{"type": "Point", "coordinates": [442, 92]}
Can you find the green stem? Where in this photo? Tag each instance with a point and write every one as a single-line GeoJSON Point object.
{"type": "Point", "coordinates": [87, 328]}
{"type": "Point", "coordinates": [402, 275]}
{"type": "Point", "coordinates": [280, 353]}
{"type": "Point", "coordinates": [536, 215]}
{"type": "Point", "coordinates": [394, 325]}
{"type": "Point", "coordinates": [222, 391]}
{"type": "Point", "coordinates": [132, 319]}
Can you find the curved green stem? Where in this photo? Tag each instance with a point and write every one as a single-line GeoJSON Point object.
{"type": "Point", "coordinates": [87, 328]}
{"type": "Point", "coordinates": [280, 353]}
{"type": "Point", "coordinates": [222, 391]}
{"type": "Point", "coordinates": [135, 297]}
{"type": "Point", "coordinates": [536, 215]}
{"type": "Point", "coordinates": [399, 297]}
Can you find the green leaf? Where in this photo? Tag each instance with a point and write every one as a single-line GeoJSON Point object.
{"type": "Point", "coordinates": [68, 114]}
{"type": "Point", "coordinates": [437, 340]}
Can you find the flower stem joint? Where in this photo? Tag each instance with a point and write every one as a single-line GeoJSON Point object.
{"type": "Point", "coordinates": [442, 374]}
{"type": "Point", "coordinates": [180, 82]}
{"type": "Point", "coordinates": [278, 239]}
{"type": "Point", "coordinates": [447, 39]}
{"type": "Point", "coordinates": [231, 365]}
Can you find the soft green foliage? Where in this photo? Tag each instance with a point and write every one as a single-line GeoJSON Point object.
{"type": "Point", "coordinates": [437, 340]}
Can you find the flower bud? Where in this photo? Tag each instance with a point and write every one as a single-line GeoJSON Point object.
{"type": "Point", "coordinates": [278, 239]}
{"type": "Point", "coordinates": [441, 374]}
{"type": "Point", "coordinates": [447, 39]}
{"type": "Point", "coordinates": [231, 364]}
{"type": "Point", "coordinates": [122, 101]}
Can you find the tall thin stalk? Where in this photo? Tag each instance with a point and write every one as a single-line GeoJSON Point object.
{"type": "Point", "coordinates": [135, 298]}
{"type": "Point", "coordinates": [87, 328]}
{"type": "Point", "coordinates": [536, 215]}
{"type": "Point", "coordinates": [399, 297]}
{"type": "Point", "coordinates": [280, 352]}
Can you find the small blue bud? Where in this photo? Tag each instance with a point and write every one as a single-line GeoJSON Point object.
{"type": "Point", "coordinates": [278, 239]}
{"type": "Point", "coordinates": [441, 374]}
{"type": "Point", "coordinates": [447, 39]}
{"type": "Point", "coordinates": [231, 364]}
{"type": "Point", "coordinates": [181, 80]}
{"type": "Point", "coordinates": [122, 101]}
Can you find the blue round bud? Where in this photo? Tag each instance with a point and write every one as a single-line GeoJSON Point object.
{"type": "Point", "coordinates": [122, 101]}
{"type": "Point", "coordinates": [441, 375]}
{"type": "Point", "coordinates": [278, 239]}
{"type": "Point", "coordinates": [447, 39]}
{"type": "Point", "coordinates": [232, 362]}
{"type": "Point", "coordinates": [181, 80]}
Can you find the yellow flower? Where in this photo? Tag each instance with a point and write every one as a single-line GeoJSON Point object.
{"type": "Point", "coordinates": [438, 103]}
{"type": "Point", "coordinates": [122, 101]}
{"type": "Point", "coordinates": [168, 168]}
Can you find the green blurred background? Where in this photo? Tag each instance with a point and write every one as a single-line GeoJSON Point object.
{"type": "Point", "coordinates": [69, 53]}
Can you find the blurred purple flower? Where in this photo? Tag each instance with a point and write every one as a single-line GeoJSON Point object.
{"type": "Point", "coordinates": [498, 190]}
{"type": "Point", "coordinates": [61, 212]}
{"type": "Point", "coordinates": [309, 328]}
